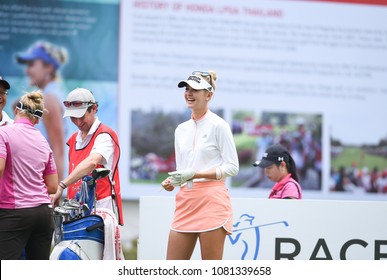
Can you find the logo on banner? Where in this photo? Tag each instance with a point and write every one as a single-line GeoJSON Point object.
{"type": "Point", "coordinates": [245, 227]}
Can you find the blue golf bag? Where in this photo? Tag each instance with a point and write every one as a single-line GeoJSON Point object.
{"type": "Point", "coordinates": [79, 232]}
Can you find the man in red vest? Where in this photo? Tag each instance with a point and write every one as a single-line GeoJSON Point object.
{"type": "Point", "coordinates": [94, 145]}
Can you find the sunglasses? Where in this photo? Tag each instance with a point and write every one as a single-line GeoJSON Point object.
{"type": "Point", "coordinates": [203, 74]}
{"type": "Point", "coordinates": [77, 104]}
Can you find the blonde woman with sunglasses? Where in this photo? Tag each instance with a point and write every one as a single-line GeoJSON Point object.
{"type": "Point", "coordinates": [205, 157]}
{"type": "Point", "coordinates": [28, 176]}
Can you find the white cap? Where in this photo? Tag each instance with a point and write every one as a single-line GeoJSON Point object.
{"type": "Point", "coordinates": [196, 82]}
{"type": "Point", "coordinates": [81, 95]}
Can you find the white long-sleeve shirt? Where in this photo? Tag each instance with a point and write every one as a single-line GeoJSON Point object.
{"type": "Point", "coordinates": [205, 144]}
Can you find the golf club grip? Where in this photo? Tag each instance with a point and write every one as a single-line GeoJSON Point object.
{"type": "Point", "coordinates": [93, 227]}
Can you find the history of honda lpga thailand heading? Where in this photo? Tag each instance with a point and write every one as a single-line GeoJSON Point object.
{"type": "Point", "coordinates": [208, 271]}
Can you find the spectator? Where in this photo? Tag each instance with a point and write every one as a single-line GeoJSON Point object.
{"type": "Point", "coordinates": [280, 168]}
{"type": "Point", "coordinates": [4, 87]}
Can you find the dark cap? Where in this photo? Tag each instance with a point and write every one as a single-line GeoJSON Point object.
{"type": "Point", "coordinates": [274, 154]}
{"type": "Point", "coordinates": [4, 83]}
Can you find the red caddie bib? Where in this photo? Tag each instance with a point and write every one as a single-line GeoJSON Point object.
{"type": "Point", "coordinates": [105, 187]}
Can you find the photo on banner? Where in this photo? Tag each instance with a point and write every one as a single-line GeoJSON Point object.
{"type": "Point", "coordinates": [153, 157]}
{"type": "Point", "coordinates": [301, 134]}
{"type": "Point", "coordinates": [359, 168]}
{"type": "Point", "coordinates": [84, 37]}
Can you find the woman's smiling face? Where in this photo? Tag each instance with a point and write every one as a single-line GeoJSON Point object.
{"type": "Point", "coordinates": [196, 99]}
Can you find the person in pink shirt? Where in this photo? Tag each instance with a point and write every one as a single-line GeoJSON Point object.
{"type": "Point", "coordinates": [28, 176]}
{"type": "Point", "coordinates": [280, 168]}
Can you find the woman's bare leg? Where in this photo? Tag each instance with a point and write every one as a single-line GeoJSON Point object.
{"type": "Point", "coordinates": [181, 245]}
{"type": "Point", "coordinates": [212, 244]}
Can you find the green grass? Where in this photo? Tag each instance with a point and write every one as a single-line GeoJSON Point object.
{"type": "Point", "coordinates": [159, 178]}
{"type": "Point", "coordinates": [131, 253]}
{"type": "Point", "coordinates": [245, 142]}
{"type": "Point", "coordinates": [355, 154]}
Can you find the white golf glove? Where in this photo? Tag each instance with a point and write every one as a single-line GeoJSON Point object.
{"type": "Point", "coordinates": [179, 177]}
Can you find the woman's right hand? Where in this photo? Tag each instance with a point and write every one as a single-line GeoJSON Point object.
{"type": "Point", "coordinates": [55, 198]}
{"type": "Point", "coordinates": [166, 184]}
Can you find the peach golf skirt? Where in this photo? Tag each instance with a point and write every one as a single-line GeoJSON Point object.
{"type": "Point", "coordinates": [204, 207]}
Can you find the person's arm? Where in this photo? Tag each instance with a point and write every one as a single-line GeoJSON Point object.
{"type": "Point", "coordinates": [230, 165]}
{"type": "Point", "coordinates": [208, 174]}
{"type": "Point", "coordinates": [104, 146]}
{"type": "Point", "coordinates": [3, 155]}
{"type": "Point", "coordinates": [51, 182]}
{"type": "Point", "coordinates": [2, 166]}
{"type": "Point", "coordinates": [84, 168]}
{"type": "Point", "coordinates": [53, 122]}
{"type": "Point", "coordinates": [50, 175]}
{"type": "Point", "coordinates": [166, 184]}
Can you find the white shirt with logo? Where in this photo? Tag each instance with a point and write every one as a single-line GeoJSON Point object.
{"type": "Point", "coordinates": [205, 144]}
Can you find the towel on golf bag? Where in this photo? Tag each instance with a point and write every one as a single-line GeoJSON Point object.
{"type": "Point", "coordinates": [112, 249]}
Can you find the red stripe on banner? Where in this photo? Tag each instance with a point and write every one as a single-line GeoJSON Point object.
{"type": "Point", "coordinates": [363, 2]}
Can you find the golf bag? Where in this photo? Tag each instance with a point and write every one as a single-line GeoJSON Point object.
{"type": "Point", "coordinates": [83, 239]}
{"type": "Point", "coordinates": [79, 232]}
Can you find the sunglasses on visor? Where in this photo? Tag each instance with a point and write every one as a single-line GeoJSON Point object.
{"type": "Point", "coordinates": [77, 104]}
{"type": "Point", "coordinates": [203, 74]}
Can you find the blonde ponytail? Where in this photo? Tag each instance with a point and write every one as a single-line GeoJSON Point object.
{"type": "Point", "coordinates": [213, 77]}
{"type": "Point", "coordinates": [31, 105]}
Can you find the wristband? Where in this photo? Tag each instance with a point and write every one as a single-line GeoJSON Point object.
{"type": "Point", "coordinates": [62, 185]}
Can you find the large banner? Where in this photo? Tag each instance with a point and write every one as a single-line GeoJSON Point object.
{"type": "Point", "coordinates": [266, 229]}
{"type": "Point", "coordinates": [55, 47]}
{"type": "Point", "coordinates": [85, 32]}
{"type": "Point", "coordinates": [307, 74]}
